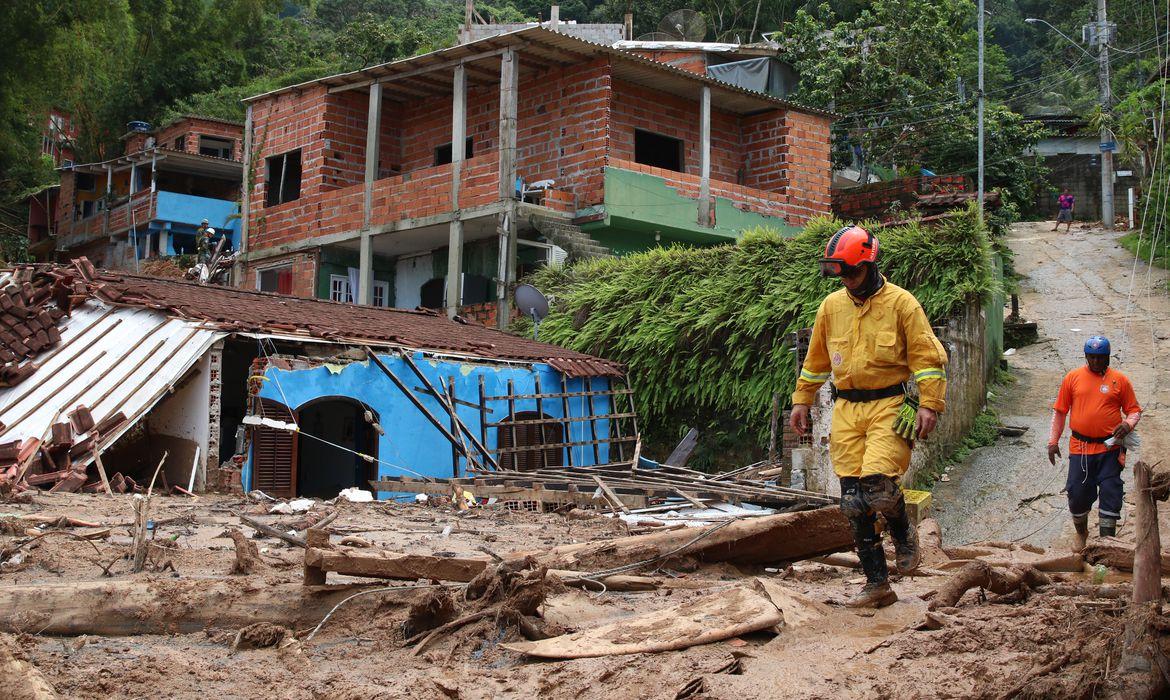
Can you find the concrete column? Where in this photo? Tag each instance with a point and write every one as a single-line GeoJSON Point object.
{"type": "Point", "coordinates": [154, 171]}
{"type": "Point", "coordinates": [109, 181]}
{"type": "Point", "coordinates": [705, 157]}
{"type": "Point", "coordinates": [554, 18]}
{"type": "Point", "coordinates": [246, 192]}
{"type": "Point", "coordinates": [365, 290]}
{"type": "Point", "coordinates": [458, 154]}
{"type": "Point", "coordinates": [506, 274]}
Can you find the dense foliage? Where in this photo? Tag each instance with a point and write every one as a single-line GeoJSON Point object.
{"type": "Point", "coordinates": [703, 331]}
{"type": "Point", "coordinates": [889, 66]}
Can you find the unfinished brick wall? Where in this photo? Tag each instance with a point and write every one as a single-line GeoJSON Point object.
{"type": "Point", "coordinates": [890, 199]}
{"type": "Point", "coordinates": [807, 164]}
{"type": "Point", "coordinates": [284, 123]}
{"type": "Point", "coordinates": [637, 107]}
{"type": "Point", "coordinates": [191, 128]}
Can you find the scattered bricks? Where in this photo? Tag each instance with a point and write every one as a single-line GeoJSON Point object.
{"type": "Point", "coordinates": [10, 452]}
{"type": "Point", "coordinates": [72, 481]}
{"type": "Point", "coordinates": [11, 376]}
{"type": "Point", "coordinates": [46, 478]}
{"type": "Point", "coordinates": [81, 419]}
{"type": "Point", "coordinates": [110, 423]}
{"type": "Point", "coordinates": [62, 435]}
{"type": "Point", "coordinates": [28, 449]}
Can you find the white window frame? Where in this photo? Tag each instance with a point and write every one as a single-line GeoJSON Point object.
{"type": "Point", "coordinates": [339, 291]}
{"type": "Point", "coordinates": [217, 143]}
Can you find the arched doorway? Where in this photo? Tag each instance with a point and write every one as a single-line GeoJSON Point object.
{"type": "Point", "coordinates": [519, 443]}
{"type": "Point", "coordinates": [333, 428]}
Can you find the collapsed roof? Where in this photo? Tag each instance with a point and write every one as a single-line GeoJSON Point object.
{"type": "Point", "coordinates": [26, 316]}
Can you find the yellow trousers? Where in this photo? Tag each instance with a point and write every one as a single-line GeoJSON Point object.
{"type": "Point", "coordinates": [862, 440]}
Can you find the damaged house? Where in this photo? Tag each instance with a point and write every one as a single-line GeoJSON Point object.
{"type": "Point", "coordinates": [399, 184]}
{"type": "Point", "coordinates": [105, 374]}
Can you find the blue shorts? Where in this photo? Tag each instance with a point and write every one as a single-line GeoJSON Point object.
{"type": "Point", "coordinates": [1093, 475]}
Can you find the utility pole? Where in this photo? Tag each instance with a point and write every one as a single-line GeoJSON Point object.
{"type": "Point", "coordinates": [1106, 138]}
{"type": "Point", "coordinates": [980, 110]}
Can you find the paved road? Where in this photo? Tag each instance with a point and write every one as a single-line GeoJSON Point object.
{"type": "Point", "coordinates": [1074, 285]}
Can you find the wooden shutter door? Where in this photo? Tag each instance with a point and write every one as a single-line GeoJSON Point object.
{"type": "Point", "coordinates": [274, 453]}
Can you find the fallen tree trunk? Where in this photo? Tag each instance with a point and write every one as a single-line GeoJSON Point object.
{"type": "Point", "coordinates": [980, 574]}
{"type": "Point", "coordinates": [763, 540]}
{"type": "Point", "coordinates": [117, 608]}
{"type": "Point", "coordinates": [1117, 555]}
{"type": "Point", "coordinates": [20, 679]}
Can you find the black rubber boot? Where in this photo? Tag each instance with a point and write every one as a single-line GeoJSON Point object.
{"type": "Point", "coordinates": [877, 592]}
{"type": "Point", "coordinates": [884, 495]}
{"type": "Point", "coordinates": [1106, 526]}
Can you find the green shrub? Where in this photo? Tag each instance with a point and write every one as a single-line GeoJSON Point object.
{"type": "Point", "coordinates": [703, 330]}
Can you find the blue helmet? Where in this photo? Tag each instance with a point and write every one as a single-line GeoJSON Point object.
{"type": "Point", "coordinates": [1097, 345]}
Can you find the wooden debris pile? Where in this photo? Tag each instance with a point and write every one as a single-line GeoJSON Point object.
{"type": "Point", "coordinates": [619, 487]}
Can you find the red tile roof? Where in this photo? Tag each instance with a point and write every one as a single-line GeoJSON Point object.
{"type": "Point", "coordinates": [244, 310]}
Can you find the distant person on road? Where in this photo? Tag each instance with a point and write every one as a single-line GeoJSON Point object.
{"type": "Point", "coordinates": [1104, 411]}
{"type": "Point", "coordinates": [870, 338]}
{"type": "Point", "coordinates": [1065, 203]}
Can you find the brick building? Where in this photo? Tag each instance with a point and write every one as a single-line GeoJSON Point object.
{"type": "Point", "coordinates": [533, 142]}
{"type": "Point", "coordinates": [149, 201]}
{"type": "Point", "coordinates": [57, 142]}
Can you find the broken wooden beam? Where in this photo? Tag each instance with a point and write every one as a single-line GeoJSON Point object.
{"type": "Point", "coordinates": [765, 539]}
{"type": "Point", "coordinates": [374, 563]}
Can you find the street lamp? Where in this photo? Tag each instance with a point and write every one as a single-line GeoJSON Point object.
{"type": "Point", "coordinates": [1107, 145]}
{"type": "Point", "coordinates": [1034, 20]}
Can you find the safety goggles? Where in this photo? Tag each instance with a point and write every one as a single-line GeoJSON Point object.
{"type": "Point", "coordinates": [832, 267]}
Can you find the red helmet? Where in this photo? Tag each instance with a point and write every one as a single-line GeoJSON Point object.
{"type": "Point", "coordinates": [847, 249]}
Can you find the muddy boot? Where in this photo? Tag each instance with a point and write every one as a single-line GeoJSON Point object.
{"type": "Point", "coordinates": [1081, 525]}
{"type": "Point", "coordinates": [877, 592]}
{"type": "Point", "coordinates": [1106, 526]}
{"type": "Point", "coordinates": [907, 553]}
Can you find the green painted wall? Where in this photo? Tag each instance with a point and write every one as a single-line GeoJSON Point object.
{"type": "Point", "coordinates": [638, 206]}
{"type": "Point", "coordinates": [335, 261]}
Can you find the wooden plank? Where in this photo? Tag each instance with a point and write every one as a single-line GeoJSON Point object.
{"type": "Point", "coordinates": [609, 493]}
{"type": "Point", "coordinates": [565, 394]}
{"type": "Point", "coordinates": [685, 448]}
{"type": "Point", "coordinates": [533, 448]}
{"type": "Point", "coordinates": [593, 421]}
{"type": "Point", "coordinates": [540, 412]}
{"type": "Point", "coordinates": [376, 563]}
{"type": "Point", "coordinates": [543, 494]}
{"type": "Point", "coordinates": [691, 499]}
{"type": "Point", "coordinates": [571, 419]}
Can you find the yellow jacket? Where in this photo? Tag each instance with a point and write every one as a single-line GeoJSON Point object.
{"type": "Point", "coordinates": [872, 345]}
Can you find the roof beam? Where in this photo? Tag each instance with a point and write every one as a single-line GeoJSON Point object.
{"type": "Point", "coordinates": [441, 65]}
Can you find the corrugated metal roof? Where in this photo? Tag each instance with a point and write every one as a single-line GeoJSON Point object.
{"type": "Point", "coordinates": [110, 360]}
{"type": "Point", "coordinates": [554, 48]}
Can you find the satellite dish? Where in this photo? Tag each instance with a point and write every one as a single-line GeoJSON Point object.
{"type": "Point", "coordinates": [684, 25]}
{"type": "Point", "coordinates": [532, 303]}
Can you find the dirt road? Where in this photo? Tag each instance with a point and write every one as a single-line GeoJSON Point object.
{"type": "Point", "coordinates": [1073, 285]}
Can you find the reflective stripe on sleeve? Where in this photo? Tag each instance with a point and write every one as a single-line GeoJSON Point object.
{"type": "Point", "coordinates": [929, 373]}
{"type": "Point", "coordinates": [810, 377]}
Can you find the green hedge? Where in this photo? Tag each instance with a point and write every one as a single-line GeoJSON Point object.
{"type": "Point", "coordinates": [702, 329]}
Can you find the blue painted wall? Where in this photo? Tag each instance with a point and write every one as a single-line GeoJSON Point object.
{"type": "Point", "coordinates": [412, 445]}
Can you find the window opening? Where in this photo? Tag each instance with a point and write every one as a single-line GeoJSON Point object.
{"type": "Point", "coordinates": [443, 153]}
{"type": "Point", "coordinates": [283, 178]}
{"type": "Point", "coordinates": [215, 147]}
{"type": "Point", "coordinates": [276, 279]}
{"type": "Point", "coordinates": [658, 151]}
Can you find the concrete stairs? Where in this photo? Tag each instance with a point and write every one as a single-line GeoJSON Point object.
{"type": "Point", "coordinates": [562, 233]}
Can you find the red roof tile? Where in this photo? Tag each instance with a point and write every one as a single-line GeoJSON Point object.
{"type": "Point", "coordinates": [244, 310]}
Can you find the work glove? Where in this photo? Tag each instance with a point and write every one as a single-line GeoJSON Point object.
{"type": "Point", "coordinates": [904, 422]}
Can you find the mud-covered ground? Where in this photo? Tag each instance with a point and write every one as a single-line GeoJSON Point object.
{"type": "Point", "coordinates": [1048, 646]}
{"type": "Point", "coordinates": [359, 652]}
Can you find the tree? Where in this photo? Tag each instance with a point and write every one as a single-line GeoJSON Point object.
{"type": "Point", "coordinates": [893, 71]}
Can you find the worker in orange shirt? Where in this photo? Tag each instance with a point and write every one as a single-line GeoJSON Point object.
{"type": "Point", "coordinates": [1104, 411]}
{"type": "Point", "coordinates": [871, 337]}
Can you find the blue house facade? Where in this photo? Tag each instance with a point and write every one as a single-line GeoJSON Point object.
{"type": "Point", "coordinates": [505, 405]}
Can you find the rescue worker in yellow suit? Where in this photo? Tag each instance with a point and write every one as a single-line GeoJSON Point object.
{"type": "Point", "coordinates": [870, 338]}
